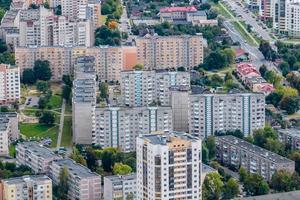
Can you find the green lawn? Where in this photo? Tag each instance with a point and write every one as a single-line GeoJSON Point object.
{"type": "Point", "coordinates": [66, 139]}
{"type": "Point", "coordinates": [31, 112]}
{"type": "Point", "coordinates": [54, 102]}
{"type": "Point", "coordinates": [35, 131]}
{"type": "Point", "coordinates": [243, 33]}
{"type": "Point", "coordinates": [12, 150]}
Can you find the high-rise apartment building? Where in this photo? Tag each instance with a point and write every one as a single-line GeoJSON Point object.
{"type": "Point", "coordinates": [293, 18]}
{"type": "Point", "coordinates": [168, 166]}
{"type": "Point", "coordinates": [143, 88]}
{"type": "Point", "coordinates": [120, 187]}
{"type": "Point", "coordinates": [109, 61]}
{"type": "Point", "coordinates": [165, 52]}
{"type": "Point", "coordinates": [27, 187]}
{"type": "Point", "coordinates": [83, 184]}
{"type": "Point", "coordinates": [119, 126]}
{"type": "Point", "coordinates": [36, 157]}
{"type": "Point", "coordinates": [239, 153]}
{"type": "Point", "coordinates": [9, 84]}
{"type": "Point", "coordinates": [9, 131]}
{"type": "Point", "coordinates": [222, 112]}
{"type": "Point", "coordinates": [84, 100]}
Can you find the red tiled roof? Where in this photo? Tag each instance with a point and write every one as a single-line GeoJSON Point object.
{"type": "Point", "coordinates": [239, 52]}
{"type": "Point", "coordinates": [179, 9]}
{"type": "Point", "coordinates": [247, 69]}
{"type": "Point", "coordinates": [265, 87]}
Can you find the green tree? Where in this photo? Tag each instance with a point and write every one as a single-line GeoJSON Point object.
{"type": "Point", "coordinates": [205, 154]}
{"type": "Point", "coordinates": [228, 76]}
{"type": "Point", "coordinates": [138, 67]}
{"type": "Point", "coordinates": [263, 70]}
{"type": "Point", "coordinates": [91, 159]}
{"type": "Point", "coordinates": [274, 98]}
{"type": "Point", "coordinates": [243, 174]}
{"type": "Point", "coordinates": [42, 86]}
{"type": "Point", "coordinates": [273, 77]}
{"type": "Point", "coordinates": [231, 189]}
{"type": "Point", "coordinates": [47, 118]}
{"type": "Point", "coordinates": [284, 67]}
{"type": "Point", "coordinates": [78, 157]}
{"type": "Point", "coordinates": [121, 169]}
{"type": "Point", "coordinates": [290, 104]}
{"type": "Point", "coordinates": [295, 156]}
{"type": "Point", "coordinates": [4, 109]}
{"type": "Point", "coordinates": [63, 186]}
{"type": "Point", "coordinates": [42, 70]}
{"type": "Point", "coordinates": [282, 181]}
{"type": "Point", "coordinates": [42, 103]}
{"type": "Point", "coordinates": [274, 145]}
{"type": "Point", "coordinates": [211, 146]}
{"type": "Point", "coordinates": [67, 79]}
{"type": "Point", "coordinates": [212, 186]}
{"type": "Point", "coordinates": [66, 93]}
{"type": "Point", "coordinates": [103, 87]}
{"type": "Point", "coordinates": [229, 55]}
{"type": "Point", "coordinates": [2, 13]}
{"type": "Point", "coordinates": [28, 76]}
{"type": "Point", "coordinates": [255, 185]}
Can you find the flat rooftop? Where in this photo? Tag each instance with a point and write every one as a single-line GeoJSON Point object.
{"type": "Point", "coordinates": [75, 169]}
{"type": "Point", "coordinates": [294, 195]}
{"type": "Point", "coordinates": [121, 178]}
{"type": "Point", "coordinates": [24, 179]}
{"type": "Point", "coordinates": [253, 149]}
{"type": "Point", "coordinates": [163, 139]}
{"type": "Point", "coordinates": [291, 132]}
{"type": "Point", "coordinates": [38, 150]}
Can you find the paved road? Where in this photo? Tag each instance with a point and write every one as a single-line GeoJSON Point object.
{"type": "Point", "coordinates": [61, 124]}
{"type": "Point", "coordinates": [249, 18]}
{"type": "Point", "coordinates": [256, 56]}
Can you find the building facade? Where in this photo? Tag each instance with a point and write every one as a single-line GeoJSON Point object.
{"type": "Point", "coordinates": [10, 86]}
{"type": "Point", "coordinates": [120, 187]}
{"type": "Point", "coordinates": [83, 184]}
{"type": "Point", "coordinates": [119, 126]}
{"type": "Point", "coordinates": [27, 187]}
{"type": "Point", "coordinates": [239, 153]}
{"type": "Point", "coordinates": [84, 100]}
{"type": "Point", "coordinates": [165, 52]}
{"type": "Point", "coordinates": [209, 113]}
{"type": "Point", "coordinates": [169, 166]}
{"type": "Point", "coordinates": [143, 88]}
{"type": "Point", "coordinates": [36, 157]}
{"type": "Point", "coordinates": [290, 137]}
{"type": "Point", "coordinates": [109, 61]}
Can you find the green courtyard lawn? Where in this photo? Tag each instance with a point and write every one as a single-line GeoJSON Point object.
{"type": "Point", "coordinates": [35, 131]}
{"type": "Point", "coordinates": [54, 102]}
{"type": "Point", "coordinates": [66, 140]}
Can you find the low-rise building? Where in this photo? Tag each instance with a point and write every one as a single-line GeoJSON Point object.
{"type": "Point", "coordinates": [236, 152]}
{"type": "Point", "coordinates": [291, 137]}
{"type": "Point", "coordinates": [10, 87]}
{"type": "Point", "coordinates": [83, 184]}
{"type": "Point", "coordinates": [27, 187]}
{"type": "Point", "coordinates": [35, 156]}
{"type": "Point", "coordinates": [120, 187]}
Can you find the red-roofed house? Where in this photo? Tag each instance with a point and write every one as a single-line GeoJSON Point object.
{"type": "Point", "coordinates": [171, 14]}
{"type": "Point", "coordinates": [265, 88]}
{"type": "Point", "coordinates": [246, 70]}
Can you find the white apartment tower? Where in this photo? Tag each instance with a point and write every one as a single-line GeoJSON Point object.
{"type": "Point", "coordinates": [169, 166]}
{"type": "Point", "coordinates": [84, 100]}
{"type": "Point", "coordinates": [9, 131]}
{"type": "Point", "coordinates": [222, 112]}
{"type": "Point", "coordinates": [9, 84]}
{"type": "Point", "coordinates": [119, 126]}
{"type": "Point", "coordinates": [143, 88]}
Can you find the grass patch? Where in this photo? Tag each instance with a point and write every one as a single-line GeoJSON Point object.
{"type": "Point", "coordinates": [291, 41]}
{"type": "Point", "coordinates": [221, 10]}
{"type": "Point", "coordinates": [243, 33]}
{"type": "Point", "coordinates": [66, 140]}
{"type": "Point", "coordinates": [12, 150]}
{"type": "Point", "coordinates": [68, 109]}
{"type": "Point", "coordinates": [30, 112]}
{"type": "Point", "coordinates": [54, 102]}
{"type": "Point", "coordinates": [39, 131]}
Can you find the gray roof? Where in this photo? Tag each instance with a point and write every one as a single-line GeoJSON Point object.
{"type": "Point", "coordinates": [129, 177]}
{"type": "Point", "coordinates": [75, 168]}
{"type": "Point", "coordinates": [163, 139]}
{"type": "Point", "coordinates": [37, 149]}
{"type": "Point", "coordinates": [254, 149]}
{"type": "Point", "coordinates": [23, 179]}
{"type": "Point", "coordinates": [291, 132]}
{"type": "Point", "coordinates": [208, 169]}
{"type": "Point", "coordinates": [294, 195]}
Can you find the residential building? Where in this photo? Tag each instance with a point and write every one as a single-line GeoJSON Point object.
{"type": "Point", "coordinates": [83, 184]}
{"type": "Point", "coordinates": [9, 84]}
{"type": "Point", "coordinates": [239, 153]}
{"type": "Point", "coordinates": [27, 187]}
{"type": "Point", "coordinates": [120, 187]}
{"type": "Point", "coordinates": [91, 11]}
{"type": "Point", "coordinates": [169, 166]}
{"type": "Point", "coordinates": [9, 131]}
{"type": "Point", "coordinates": [180, 108]}
{"type": "Point", "coordinates": [290, 137]}
{"type": "Point", "coordinates": [209, 113]}
{"type": "Point", "coordinates": [119, 126]}
{"type": "Point", "coordinates": [35, 156]}
{"type": "Point", "coordinates": [293, 18]}
{"type": "Point", "coordinates": [84, 100]}
{"type": "Point", "coordinates": [143, 88]}
{"type": "Point", "coordinates": [109, 61]}
{"type": "Point", "coordinates": [165, 52]}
